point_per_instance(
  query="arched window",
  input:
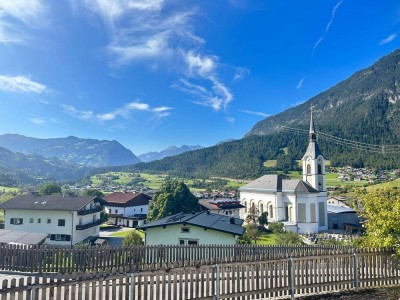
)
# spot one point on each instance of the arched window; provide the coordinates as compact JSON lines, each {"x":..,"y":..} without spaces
{"x":270,"y":211}
{"x":308,"y":169}
{"x":245,"y":207}
{"x":319,"y":169}
{"x":261,"y":208}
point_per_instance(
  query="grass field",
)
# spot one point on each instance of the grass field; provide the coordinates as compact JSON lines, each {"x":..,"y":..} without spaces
{"x":271,"y":163}
{"x":268,"y":239}
{"x":124,"y":234}
{"x":390,"y":184}
{"x":8,"y":189}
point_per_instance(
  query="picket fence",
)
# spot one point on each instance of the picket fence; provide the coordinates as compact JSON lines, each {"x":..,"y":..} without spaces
{"x":47,"y":259}
{"x":273,"y":278}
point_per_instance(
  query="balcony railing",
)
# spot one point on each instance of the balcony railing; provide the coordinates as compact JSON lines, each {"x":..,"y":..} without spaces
{"x":88,"y":225}
{"x":90,"y":211}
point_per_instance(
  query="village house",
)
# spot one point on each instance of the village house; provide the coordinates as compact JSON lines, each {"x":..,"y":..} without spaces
{"x":127,"y":209}
{"x":65,"y":220}
{"x":299,"y":204}
{"x":343,"y":218}
{"x":222,"y":206}
{"x":193,"y":229}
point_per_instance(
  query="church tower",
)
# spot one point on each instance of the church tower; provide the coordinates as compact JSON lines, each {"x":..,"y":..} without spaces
{"x":314,"y":162}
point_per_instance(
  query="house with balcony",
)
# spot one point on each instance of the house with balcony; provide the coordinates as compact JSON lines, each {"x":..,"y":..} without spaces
{"x":66,"y":220}
{"x":222,"y":206}
{"x":127,"y":209}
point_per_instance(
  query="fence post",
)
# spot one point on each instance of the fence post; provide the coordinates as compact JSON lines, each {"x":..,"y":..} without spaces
{"x":33,"y":292}
{"x":217,"y":282}
{"x":355,"y":264}
{"x":291,"y":277}
{"x":132,"y":294}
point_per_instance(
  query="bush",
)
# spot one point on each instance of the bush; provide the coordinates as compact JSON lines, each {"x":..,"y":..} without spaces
{"x":133,"y":239}
{"x":276,"y":227}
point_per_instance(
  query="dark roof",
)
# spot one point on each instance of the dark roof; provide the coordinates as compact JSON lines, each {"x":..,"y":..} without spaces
{"x":124,"y":199}
{"x":220,"y":204}
{"x":20,"y":237}
{"x":275,"y":183}
{"x":203,"y":219}
{"x":53,"y":202}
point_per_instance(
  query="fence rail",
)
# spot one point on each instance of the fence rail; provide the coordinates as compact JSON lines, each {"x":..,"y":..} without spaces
{"x":284,"y":277}
{"x":48,"y":259}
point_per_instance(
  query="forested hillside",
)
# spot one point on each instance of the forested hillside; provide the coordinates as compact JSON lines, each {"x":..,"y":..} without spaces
{"x":363,"y":108}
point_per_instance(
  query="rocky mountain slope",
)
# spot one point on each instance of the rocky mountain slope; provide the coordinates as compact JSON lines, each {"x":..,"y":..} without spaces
{"x":170,"y":151}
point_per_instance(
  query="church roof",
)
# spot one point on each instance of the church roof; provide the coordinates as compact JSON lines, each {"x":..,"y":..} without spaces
{"x":312,"y":151}
{"x":275,"y":183}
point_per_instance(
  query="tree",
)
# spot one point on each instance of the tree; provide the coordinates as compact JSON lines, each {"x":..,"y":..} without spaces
{"x":263,"y":219}
{"x":276,"y":227}
{"x":289,"y":238}
{"x":133,"y":239}
{"x":50,"y":189}
{"x":93,"y":192}
{"x":252,"y":232}
{"x":252,"y":215}
{"x":380,"y":208}
{"x":173,"y":197}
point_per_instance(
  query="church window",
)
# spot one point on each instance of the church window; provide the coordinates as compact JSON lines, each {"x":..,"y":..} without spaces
{"x":319,"y":169}
{"x":308,"y":169}
{"x":270,"y":211}
{"x":261,"y":208}
{"x":245,"y":207}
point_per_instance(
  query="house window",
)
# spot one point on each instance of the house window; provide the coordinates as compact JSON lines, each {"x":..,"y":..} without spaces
{"x":61,"y":222}
{"x":48,"y":221}
{"x":39,"y":220}
{"x":116,"y":211}
{"x":181,"y":242}
{"x":60,"y":237}
{"x":192,"y":242}
{"x":16,"y":221}
{"x":141,"y":209}
{"x":185,"y":229}
{"x":30,"y":220}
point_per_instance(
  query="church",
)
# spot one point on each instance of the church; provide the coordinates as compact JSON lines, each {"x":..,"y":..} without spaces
{"x":301,"y":205}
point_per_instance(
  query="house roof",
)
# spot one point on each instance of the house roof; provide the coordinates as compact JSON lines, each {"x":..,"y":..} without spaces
{"x":125,"y":199}
{"x":52,"y":202}
{"x":275,"y":183}
{"x":20,"y":237}
{"x":337,"y":209}
{"x":220,"y":204}
{"x":204,"y":219}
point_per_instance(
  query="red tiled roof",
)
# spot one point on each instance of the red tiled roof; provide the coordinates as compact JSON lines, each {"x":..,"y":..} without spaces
{"x":127,"y":199}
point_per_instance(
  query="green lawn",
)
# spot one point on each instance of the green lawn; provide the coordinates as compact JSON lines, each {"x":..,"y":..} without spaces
{"x":124,"y":234}
{"x":270,"y":163}
{"x":268,"y":239}
{"x":390,"y":184}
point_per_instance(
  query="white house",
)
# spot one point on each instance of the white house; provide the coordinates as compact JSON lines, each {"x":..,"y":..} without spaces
{"x":65,"y":220}
{"x":193,"y":229}
{"x":127,"y":209}
{"x":222,"y":206}
{"x":299,"y":204}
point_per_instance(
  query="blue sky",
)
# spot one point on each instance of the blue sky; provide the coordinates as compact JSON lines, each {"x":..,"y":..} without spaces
{"x":155,"y":73}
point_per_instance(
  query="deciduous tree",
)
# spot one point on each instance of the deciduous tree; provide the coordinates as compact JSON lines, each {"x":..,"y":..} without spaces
{"x":50,"y":189}
{"x":173,"y":197}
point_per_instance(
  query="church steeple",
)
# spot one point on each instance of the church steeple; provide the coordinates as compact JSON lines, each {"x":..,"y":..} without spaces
{"x":313,"y":161}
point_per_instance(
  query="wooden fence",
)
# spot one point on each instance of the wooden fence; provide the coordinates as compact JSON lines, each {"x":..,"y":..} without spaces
{"x":47,"y":259}
{"x":285,"y":277}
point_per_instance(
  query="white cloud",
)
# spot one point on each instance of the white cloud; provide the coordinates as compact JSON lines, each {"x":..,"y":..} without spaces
{"x":230,"y":120}
{"x":327,"y":27}
{"x":256,"y":113}
{"x":124,"y":112}
{"x":38,"y":121}
{"x":388,"y":39}
{"x":20,"y":84}
{"x":241,"y":73}
{"x":300,"y":84}
{"x":17,"y":16}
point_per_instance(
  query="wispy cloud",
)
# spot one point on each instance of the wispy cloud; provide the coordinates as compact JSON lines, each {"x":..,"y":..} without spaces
{"x":230,"y":120}
{"x":256,"y":113}
{"x":124,"y":112}
{"x":17,"y":16}
{"x":388,"y":39}
{"x":148,"y":32}
{"x":327,"y":27}
{"x":300,"y":84}
{"x":241,"y":73}
{"x":20,"y":84}
{"x":38,"y":121}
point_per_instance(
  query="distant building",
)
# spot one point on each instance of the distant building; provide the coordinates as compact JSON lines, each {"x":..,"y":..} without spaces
{"x":343,"y":218}
{"x":127,"y":209}
{"x":193,"y":229}
{"x":64,"y":220}
{"x":222,"y":206}
{"x":299,"y":204}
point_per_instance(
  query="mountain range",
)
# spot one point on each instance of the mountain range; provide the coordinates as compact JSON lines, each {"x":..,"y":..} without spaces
{"x":361,"y":109}
{"x":170,"y":151}
{"x":85,"y":152}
